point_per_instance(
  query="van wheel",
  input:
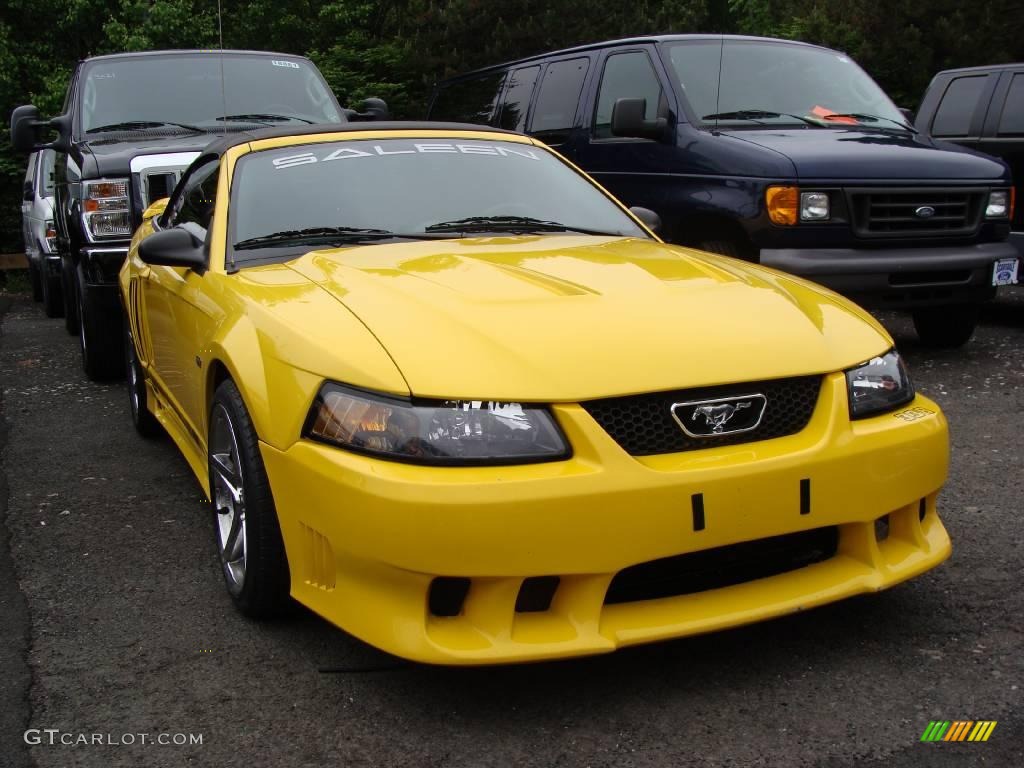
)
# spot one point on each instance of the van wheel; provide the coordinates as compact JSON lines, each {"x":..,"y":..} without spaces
{"x":53,"y":297}
{"x":102,"y":357}
{"x":946,"y":327}
{"x":144,"y":421}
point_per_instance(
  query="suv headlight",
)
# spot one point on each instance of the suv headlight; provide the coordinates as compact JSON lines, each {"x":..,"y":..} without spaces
{"x":105,"y":208}
{"x":881,"y":384}
{"x":434,"y":431}
{"x":1000,"y":204}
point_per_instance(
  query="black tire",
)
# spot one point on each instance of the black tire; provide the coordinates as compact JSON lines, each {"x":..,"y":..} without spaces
{"x":260,"y":587}
{"x":946,"y":327}
{"x":36,"y":280}
{"x":98,"y":332}
{"x":53,"y":297}
{"x":69,"y":287}
{"x":144,"y":421}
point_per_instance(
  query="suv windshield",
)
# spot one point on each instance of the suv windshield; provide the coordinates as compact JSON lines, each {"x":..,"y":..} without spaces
{"x":183,"y":92}
{"x":351,"y":192}
{"x":777,"y":83}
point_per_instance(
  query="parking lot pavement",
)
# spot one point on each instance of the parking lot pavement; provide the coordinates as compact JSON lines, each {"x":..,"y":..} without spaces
{"x":131,"y":631}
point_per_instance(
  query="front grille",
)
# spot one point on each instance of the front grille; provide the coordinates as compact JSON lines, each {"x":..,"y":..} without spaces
{"x":880,"y":213}
{"x":643,"y":424}
{"x":722,"y":566}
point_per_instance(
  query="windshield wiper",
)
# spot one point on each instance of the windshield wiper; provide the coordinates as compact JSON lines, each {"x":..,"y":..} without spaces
{"x":314,"y":235}
{"x":513,"y":224}
{"x":263,"y":117}
{"x":141,"y":125}
{"x":756,"y":116}
{"x":865,"y":117}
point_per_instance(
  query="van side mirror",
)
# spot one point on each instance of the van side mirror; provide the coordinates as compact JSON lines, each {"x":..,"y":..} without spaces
{"x":628,"y":120}
{"x":175,"y":247}
{"x":28,"y":130}
{"x":373,"y":109}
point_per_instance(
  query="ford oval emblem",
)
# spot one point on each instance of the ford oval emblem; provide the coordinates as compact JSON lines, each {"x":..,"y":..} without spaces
{"x":924,"y":212}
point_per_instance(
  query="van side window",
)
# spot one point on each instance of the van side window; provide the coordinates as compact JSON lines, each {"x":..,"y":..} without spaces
{"x":198,"y":197}
{"x":517,"y":98}
{"x":469,"y":101}
{"x":626,"y":76}
{"x":959,"y":103}
{"x":1011,"y":122}
{"x":554,"y":115}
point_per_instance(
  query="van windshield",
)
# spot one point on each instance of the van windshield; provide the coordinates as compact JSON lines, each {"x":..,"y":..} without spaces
{"x":183,"y":92}
{"x":776,"y":83}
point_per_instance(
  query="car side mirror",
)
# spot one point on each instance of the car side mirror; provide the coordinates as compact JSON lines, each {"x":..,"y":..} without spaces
{"x":373,"y":109}
{"x":650,"y":219}
{"x":175,"y":247}
{"x":155,"y":208}
{"x":628,"y":120}
{"x":29,"y":192}
{"x":27,"y":130}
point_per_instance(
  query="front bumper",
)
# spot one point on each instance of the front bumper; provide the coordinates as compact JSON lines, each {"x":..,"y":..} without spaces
{"x":365,"y":538}
{"x":898,"y":277}
{"x":101,"y":264}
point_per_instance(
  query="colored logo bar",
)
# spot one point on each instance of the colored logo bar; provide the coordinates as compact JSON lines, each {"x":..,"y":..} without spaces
{"x":958,"y":730}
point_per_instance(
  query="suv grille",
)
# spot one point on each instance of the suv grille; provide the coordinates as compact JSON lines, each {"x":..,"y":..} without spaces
{"x":722,"y":566}
{"x":643,"y":424}
{"x":895,"y":213}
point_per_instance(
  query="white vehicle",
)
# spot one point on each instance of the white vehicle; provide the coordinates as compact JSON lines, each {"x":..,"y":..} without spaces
{"x":39,"y":233}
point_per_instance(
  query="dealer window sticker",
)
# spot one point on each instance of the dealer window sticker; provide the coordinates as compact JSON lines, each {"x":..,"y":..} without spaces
{"x":288,"y":64}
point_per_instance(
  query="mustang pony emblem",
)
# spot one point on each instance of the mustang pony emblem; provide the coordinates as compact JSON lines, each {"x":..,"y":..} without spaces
{"x":721,"y":416}
{"x":717,"y":416}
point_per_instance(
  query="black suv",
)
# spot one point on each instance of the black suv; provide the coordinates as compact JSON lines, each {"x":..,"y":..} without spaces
{"x":769,"y":150}
{"x":131,"y":124}
{"x":981,"y":108}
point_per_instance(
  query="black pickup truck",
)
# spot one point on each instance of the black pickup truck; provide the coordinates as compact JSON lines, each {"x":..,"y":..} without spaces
{"x":131,"y":124}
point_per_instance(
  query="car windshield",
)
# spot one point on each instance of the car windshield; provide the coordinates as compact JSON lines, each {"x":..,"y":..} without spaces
{"x":770,"y":83}
{"x":352,"y":192}
{"x":183,"y":92}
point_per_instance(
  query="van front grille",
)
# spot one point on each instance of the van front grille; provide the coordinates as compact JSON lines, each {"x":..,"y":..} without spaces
{"x":918,"y":212}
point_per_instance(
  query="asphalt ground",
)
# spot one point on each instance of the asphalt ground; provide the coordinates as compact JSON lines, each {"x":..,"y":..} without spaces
{"x":115,"y":620}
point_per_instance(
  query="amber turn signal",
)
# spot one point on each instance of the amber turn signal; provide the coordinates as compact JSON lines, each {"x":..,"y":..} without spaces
{"x":783,"y":204}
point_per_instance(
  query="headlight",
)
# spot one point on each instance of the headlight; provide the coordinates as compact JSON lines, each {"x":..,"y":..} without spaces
{"x":434,"y":432}
{"x":814,"y":206}
{"x":881,"y":384}
{"x":105,"y":208}
{"x":1000,"y":204}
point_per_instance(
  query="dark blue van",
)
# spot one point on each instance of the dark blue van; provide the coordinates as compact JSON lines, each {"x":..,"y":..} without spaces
{"x":773,"y":151}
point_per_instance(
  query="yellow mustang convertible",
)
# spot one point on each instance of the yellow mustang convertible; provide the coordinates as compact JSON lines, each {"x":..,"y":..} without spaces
{"x":446,"y":392}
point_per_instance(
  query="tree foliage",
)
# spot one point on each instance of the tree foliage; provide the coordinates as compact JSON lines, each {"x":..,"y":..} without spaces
{"x":397,"y":49}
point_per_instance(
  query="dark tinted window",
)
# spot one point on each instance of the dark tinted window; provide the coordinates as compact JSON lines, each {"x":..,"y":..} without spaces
{"x":959,"y":102}
{"x":555,"y":113}
{"x":198,"y":197}
{"x":468,"y":101}
{"x":30,"y":171}
{"x":187,"y":89}
{"x":626,"y":76}
{"x":1012,"y":119}
{"x":46,"y":158}
{"x":517,"y":98}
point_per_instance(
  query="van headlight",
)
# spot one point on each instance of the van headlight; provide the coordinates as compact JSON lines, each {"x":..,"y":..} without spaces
{"x":105,"y":208}
{"x":1000,"y":204}
{"x":879,"y":385}
{"x":449,"y":432}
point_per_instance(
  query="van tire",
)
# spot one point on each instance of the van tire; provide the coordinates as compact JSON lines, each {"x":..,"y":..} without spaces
{"x":946,"y":327}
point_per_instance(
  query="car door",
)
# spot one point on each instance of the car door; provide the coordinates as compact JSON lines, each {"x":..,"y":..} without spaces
{"x":636,"y":170}
{"x":179,"y":316}
{"x":1003,"y":135}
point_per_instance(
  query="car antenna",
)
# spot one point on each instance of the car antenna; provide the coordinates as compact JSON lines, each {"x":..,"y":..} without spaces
{"x":223,"y":92}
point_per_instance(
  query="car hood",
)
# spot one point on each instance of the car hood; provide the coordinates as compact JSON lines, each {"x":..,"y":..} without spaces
{"x":836,"y":153}
{"x":570,"y":318}
{"x":111,"y":154}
